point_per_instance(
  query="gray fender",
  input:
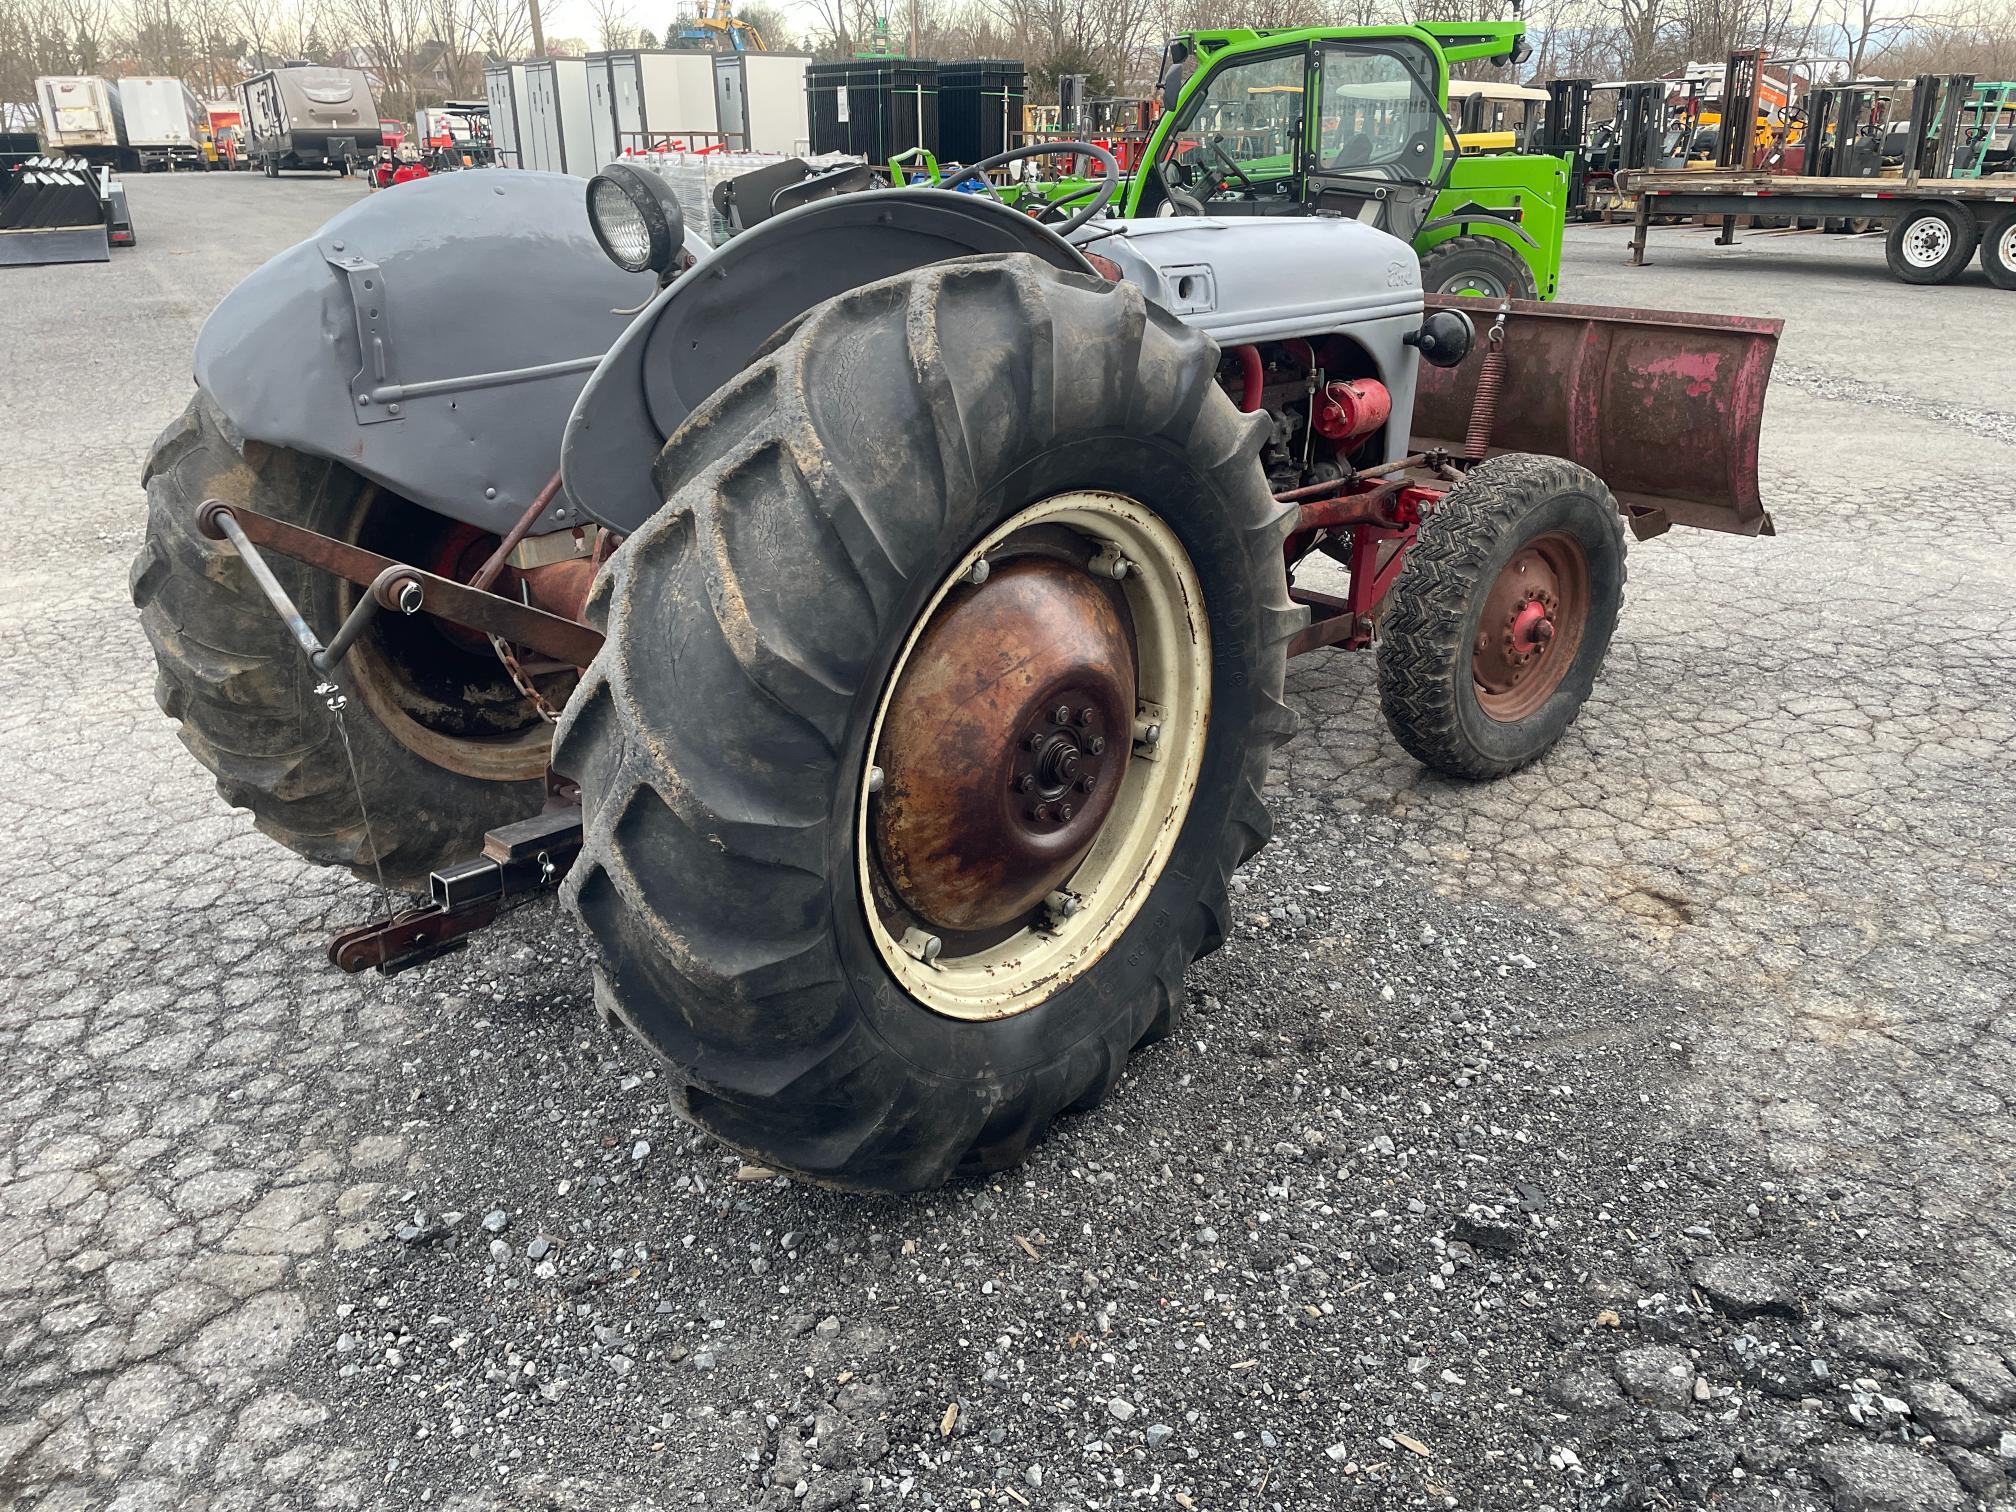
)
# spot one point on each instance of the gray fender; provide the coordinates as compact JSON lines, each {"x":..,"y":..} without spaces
{"x":709,"y":324}
{"x":432,"y":337}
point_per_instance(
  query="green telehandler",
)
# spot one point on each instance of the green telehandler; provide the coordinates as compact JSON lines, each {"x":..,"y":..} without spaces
{"x":1349,"y":121}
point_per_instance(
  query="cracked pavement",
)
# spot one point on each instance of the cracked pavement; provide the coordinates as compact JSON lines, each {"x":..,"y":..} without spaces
{"x":1635,"y":1131}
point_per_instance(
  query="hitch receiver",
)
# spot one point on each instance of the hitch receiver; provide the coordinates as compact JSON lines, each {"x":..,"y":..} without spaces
{"x":518,"y":860}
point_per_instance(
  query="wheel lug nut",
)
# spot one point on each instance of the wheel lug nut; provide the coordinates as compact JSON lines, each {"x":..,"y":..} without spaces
{"x":1040,"y":813}
{"x":1035,"y":740}
{"x":1087,"y":783}
{"x":1096,"y":745}
{"x":1062,"y":715}
{"x":1025,"y":783}
{"x":1064,"y":812}
{"x":1087,"y":715}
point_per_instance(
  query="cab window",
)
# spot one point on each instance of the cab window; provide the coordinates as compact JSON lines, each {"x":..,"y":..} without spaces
{"x":1376,"y":115}
{"x":1241,"y":127}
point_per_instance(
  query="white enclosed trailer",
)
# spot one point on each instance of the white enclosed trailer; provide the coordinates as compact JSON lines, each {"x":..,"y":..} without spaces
{"x":759,"y":101}
{"x":164,"y":122}
{"x":79,"y":117}
{"x":554,"y":134}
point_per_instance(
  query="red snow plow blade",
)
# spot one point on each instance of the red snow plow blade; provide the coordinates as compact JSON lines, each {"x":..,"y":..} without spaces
{"x":1665,"y":408}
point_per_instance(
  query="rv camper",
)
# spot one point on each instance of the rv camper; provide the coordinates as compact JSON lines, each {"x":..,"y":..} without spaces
{"x":304,"y":117}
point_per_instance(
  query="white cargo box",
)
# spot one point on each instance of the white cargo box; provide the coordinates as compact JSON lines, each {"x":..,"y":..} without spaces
{"x":162,"y":114}
{"x":78,"y":111}
{"x":656,"y":98}
{"x":504,"y":87}
{"x":555,"y":136}
{"x":759,"y":100}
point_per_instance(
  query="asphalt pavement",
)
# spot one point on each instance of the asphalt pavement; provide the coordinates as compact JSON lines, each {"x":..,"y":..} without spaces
{"x":1636,"y":1131}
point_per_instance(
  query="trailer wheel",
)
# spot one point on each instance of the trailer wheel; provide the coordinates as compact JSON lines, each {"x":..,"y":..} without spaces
{"x":444,"y":746}
{"x":1482,"y":267}
{"x":1930,"y":244}
{"x":932,"y":720}
{"x":1499,"y":621}
{"x":1998,"y":251}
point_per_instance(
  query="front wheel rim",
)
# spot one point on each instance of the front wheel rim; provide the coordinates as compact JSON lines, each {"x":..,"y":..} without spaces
{"x":2005,"y":247}
{"x":1005,"y":967}
{"x":1530,"y":628}
{"x":1473,"y":286}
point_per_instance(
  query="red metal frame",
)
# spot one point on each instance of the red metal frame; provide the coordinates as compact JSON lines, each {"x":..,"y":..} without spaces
{"x":1355,"y":526}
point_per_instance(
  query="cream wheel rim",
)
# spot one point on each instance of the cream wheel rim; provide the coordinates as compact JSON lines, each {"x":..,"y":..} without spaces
{"x":1107,"y":888}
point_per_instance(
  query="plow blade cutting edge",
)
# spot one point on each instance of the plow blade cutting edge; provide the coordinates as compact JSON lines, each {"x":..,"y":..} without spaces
{"x":1665,"y":408}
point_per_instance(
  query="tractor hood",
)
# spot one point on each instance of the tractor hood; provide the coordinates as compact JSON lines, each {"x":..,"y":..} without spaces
{"x":1252,"y":278}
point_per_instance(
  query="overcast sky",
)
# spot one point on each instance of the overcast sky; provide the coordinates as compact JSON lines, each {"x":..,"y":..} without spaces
{"x":573,"y":18}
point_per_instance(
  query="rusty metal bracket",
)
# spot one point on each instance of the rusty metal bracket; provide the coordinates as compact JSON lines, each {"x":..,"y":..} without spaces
{"x":366,"y":282}
{"x":518,"y":860}
{"x":391,"y":585}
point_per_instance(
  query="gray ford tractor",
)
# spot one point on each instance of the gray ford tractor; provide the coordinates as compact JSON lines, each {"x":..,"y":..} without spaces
{"x":876,"y":625}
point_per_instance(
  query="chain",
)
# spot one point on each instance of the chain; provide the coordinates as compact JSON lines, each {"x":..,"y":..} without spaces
{"x":336,"y":701}
{"x":523,"y":679}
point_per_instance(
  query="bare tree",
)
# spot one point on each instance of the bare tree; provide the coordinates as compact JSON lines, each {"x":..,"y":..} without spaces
{"x":1867,"y":27}
{"x":613,"y":26}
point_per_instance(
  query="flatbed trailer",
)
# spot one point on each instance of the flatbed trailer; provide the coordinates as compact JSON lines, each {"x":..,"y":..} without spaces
{"x":1935,"y":223}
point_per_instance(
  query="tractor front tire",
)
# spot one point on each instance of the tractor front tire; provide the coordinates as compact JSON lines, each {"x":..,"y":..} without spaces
{"x":253,"y":711}
{"x":1481,"y":267}
{"x":1499,"y":621}
{"x":856,"y":610}
{"x":1931,"y":244}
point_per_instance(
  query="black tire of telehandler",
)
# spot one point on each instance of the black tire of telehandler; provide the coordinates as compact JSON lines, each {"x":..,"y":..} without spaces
{"x":1468,"y":257}
{"x":1426,"y":690}
{"x":1998,"y":251}
{"x":243,"y":693}
{"x":1961,"y":236}
{"x":815,"y":504}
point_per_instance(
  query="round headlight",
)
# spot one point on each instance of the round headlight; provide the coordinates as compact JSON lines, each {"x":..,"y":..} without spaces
{"x":636,"y":218}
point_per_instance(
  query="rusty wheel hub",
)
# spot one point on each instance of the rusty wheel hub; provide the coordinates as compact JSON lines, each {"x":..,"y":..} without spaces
{"x":1035,"y":753}
{"x":999,"y":751}
{"x":1531,"y":626}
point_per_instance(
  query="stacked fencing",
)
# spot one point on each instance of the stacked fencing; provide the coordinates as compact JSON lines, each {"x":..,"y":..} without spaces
{"x":872,"y":108}
{"x":979,"y":108}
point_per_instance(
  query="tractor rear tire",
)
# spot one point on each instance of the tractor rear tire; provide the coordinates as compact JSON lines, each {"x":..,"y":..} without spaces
{"x":1479,"y":699}
{"x":1481,"y":266}
{"x":248,"y":702}
{"x":1998,"y":251}
{"x":1931,"y":244}
{"x":824,"y":509}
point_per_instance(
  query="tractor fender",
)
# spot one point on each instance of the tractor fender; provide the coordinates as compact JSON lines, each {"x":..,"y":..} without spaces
{"x":430,"y":339}
{"x":709,"y":324}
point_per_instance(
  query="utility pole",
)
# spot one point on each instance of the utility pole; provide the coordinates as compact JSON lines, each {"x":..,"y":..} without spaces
{"x":913,"y":33}
{"x":538,"y":31}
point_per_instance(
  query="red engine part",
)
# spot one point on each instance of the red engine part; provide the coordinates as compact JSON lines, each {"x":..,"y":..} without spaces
{"x":1253,"y":374}
{"x":407,"y":172}
{"x":1352,"y":407}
